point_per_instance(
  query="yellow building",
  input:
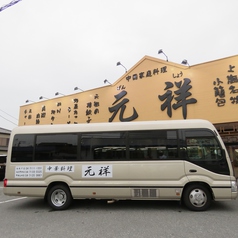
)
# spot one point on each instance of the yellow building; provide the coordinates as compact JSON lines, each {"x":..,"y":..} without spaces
{"x":153,"y":89}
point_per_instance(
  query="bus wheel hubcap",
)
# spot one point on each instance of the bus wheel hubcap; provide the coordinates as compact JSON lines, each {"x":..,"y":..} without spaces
{"x":58,"y":197}
{"x":198,"y":198}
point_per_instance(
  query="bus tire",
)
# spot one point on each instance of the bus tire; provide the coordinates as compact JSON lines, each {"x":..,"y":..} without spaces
{"x":59,"y":197}
{"x":197,"y":197}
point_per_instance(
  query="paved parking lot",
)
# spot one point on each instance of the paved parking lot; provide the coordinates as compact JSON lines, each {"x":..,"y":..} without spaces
{"x":32,"y":217}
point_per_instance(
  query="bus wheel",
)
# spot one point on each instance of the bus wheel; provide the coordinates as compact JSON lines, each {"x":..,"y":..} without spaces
{"x":197,"y":197}
{"x":59,"y":197}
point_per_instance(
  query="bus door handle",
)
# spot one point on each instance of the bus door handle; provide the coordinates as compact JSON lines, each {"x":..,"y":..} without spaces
{"x":192,"y":170}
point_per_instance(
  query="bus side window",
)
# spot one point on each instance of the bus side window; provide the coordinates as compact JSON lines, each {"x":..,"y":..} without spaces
{"x":56,"y":147}
{"x":22,"y":148}
{"x":103,"y":146}
{"x":162,"y":155}
{"x":85,"y":150}
{"x":204,"y":150}
{"x":153,"y":145}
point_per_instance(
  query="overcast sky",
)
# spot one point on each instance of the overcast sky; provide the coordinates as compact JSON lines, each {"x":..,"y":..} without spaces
{"x":54,"y":45}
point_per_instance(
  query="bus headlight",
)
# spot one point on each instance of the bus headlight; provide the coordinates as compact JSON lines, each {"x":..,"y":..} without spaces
{"x":233,"y":186}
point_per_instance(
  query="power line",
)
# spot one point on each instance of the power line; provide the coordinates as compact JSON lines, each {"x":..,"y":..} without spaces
{"x":8,"y":120}
{"x":9,"y":115}
{"x":9,"y":5}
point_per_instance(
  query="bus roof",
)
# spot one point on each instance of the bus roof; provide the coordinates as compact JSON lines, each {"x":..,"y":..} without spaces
{"x":114,"y":126}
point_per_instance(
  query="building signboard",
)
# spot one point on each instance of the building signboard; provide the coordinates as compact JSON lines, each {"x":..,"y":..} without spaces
{"x":153,"y":89}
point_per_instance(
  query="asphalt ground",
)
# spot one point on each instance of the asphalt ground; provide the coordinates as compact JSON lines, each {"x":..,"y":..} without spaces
{"x":32,"y":217}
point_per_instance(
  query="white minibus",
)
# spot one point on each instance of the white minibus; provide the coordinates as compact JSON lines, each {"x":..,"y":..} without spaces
{"x":183,"y":160}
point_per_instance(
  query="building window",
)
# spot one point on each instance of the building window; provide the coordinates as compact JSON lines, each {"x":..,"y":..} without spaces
{"x":4,"y":141}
